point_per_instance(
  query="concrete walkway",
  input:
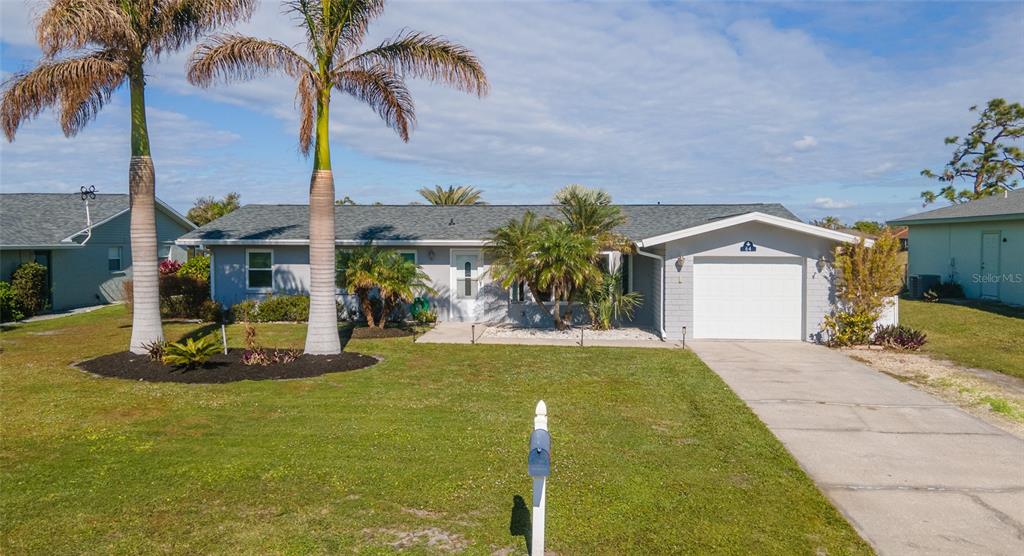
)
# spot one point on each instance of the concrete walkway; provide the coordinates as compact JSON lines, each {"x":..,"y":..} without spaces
{"x":468,"y":333}
{"x":913,"y":474}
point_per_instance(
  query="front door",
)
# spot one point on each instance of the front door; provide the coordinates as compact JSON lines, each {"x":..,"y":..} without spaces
{"x":465,"y":284}
{"x":990,"y":264}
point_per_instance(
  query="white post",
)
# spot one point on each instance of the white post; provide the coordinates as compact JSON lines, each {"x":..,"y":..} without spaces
{"x":224,"y":338}
{"x":540,"y":422}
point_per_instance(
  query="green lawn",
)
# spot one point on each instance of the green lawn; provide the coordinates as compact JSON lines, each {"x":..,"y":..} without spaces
{"x":652,"y":454}
{"x":987,"y":339}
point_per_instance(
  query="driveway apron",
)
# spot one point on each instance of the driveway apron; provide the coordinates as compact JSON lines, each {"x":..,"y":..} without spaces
{"x":913,"y":474}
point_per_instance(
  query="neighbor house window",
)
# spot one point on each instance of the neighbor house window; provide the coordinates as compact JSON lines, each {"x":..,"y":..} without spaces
{"x":163,"y":251}
{"x":341,"y":257}
{"x":408,"y":256}
{"x":259,"y":269}
{"x":114,"y":259}
{"x":517,"y":293}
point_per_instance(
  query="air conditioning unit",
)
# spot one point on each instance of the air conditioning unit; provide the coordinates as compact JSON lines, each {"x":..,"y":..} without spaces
{"x":920,"y":283}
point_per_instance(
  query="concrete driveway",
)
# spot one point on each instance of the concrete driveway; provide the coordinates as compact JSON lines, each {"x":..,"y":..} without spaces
{"x":913,"y":474}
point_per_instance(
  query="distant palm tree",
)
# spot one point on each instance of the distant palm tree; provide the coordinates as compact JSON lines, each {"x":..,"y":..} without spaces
{"x":461,"y":195}
{"x":829,"y":222}
{"x":335,"y":30}
{"x":108,"y":44}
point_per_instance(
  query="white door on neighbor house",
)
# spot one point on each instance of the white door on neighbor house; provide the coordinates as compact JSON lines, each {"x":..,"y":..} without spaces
{"x":465,"y":284}
{"x":990,"y":264}
{"x":747,"y":298}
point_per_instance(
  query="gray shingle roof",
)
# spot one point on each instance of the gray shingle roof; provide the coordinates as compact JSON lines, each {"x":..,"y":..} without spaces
{"x":38,"y":219}
{"x":1011,"y":205}
{"x":465,"y":223}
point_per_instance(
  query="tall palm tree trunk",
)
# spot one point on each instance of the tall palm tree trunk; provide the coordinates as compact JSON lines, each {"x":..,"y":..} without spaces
{"x":146,"y":325}
{"x":322,"y":330}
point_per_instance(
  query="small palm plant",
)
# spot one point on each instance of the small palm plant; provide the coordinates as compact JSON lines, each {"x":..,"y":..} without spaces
{"x":365,"y":264}
{"x":461,"y":195}
{"x":335,"y":30}
{"x":190,"y":353}
{"x":607,"y":304}
{"x":394,"y":279}
{"x":91,"y":48}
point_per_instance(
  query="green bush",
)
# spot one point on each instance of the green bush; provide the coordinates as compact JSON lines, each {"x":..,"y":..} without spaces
{"x":849,"y":328}
{"x":275,"y":308}
{"x":197,"y":268}
{"x":945,"y":290}
{"x":183,"y":296}
{"x":29,"y":287}
{"x":190,"y":353}
{"x":244,"y":311}
{"x":9,"y":309}
{"x":210,"y":311}
{"x":428,"y":316}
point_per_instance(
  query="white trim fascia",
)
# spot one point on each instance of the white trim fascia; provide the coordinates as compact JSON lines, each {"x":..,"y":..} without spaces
{"x":353,"y":242}
{"x":661,"y":269}
{"x":175,"y":214}
{"x":71,"y":245}
{"x":71,"y":238}
{"x":761,"y":217}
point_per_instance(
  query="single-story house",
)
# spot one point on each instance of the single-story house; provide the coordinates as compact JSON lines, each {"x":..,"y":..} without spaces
{"x":979,"y":244}
{"x":707,"y":271}
{"x":84,"y":269}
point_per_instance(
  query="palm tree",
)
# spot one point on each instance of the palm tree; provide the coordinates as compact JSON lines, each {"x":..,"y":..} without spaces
{"x":590,"y":212}
{"x":106,"y":44}
{"x":400,"y":281}
{"x":565,"y":260}
{"x":363,"y":267}
{"x":335,"y":30}
{"x":606,"y":302}
{"x":511,"y":250}
{"x":829,"y":222}
{"x":461,"y":195}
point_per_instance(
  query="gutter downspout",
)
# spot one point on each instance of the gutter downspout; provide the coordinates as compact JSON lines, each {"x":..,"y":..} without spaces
{"x":661,"y":269}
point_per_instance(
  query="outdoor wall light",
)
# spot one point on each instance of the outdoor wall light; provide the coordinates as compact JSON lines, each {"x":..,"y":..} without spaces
{"x":430,"y":254}
{"x":680,"y":261}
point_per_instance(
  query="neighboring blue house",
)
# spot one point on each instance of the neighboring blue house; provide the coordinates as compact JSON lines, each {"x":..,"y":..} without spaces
{"x":979,"y":245}
{"x":708,"y":271}
{"x":50,"y":228}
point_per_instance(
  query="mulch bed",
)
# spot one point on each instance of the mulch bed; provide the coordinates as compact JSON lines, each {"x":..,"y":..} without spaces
{"x":367,"y":333}
{"x":222,"y":368}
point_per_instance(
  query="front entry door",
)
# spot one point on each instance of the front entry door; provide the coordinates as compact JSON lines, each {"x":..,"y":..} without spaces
{"x":465,"y":284}
{"x":990,"y":265}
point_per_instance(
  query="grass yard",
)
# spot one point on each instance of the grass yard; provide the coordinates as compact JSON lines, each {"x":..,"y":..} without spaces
{"x":970,"y":336}
{"x":424,"y":452}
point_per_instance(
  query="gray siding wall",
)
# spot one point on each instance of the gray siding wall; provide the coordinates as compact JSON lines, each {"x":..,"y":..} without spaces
{"x":770,"y":241}
{"x":81,"y":277}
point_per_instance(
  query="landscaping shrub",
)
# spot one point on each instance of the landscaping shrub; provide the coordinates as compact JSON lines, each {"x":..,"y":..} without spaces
{"x":428,"y":316}
{"x":197,"y":267}
{"x":945,"y":290}
{"x":899,"y":337}
{"x":244,"y":311}
{"x":210,"y":311}
{"x":848,"y":328}
{"x":168,"y":266}
{"x":29,"y":288}
{"x":155,"y":350}
{"x":190,"y":353}
{"x":9,"y":309}
{"x":183,"y":296}
{"x":283,"y":308}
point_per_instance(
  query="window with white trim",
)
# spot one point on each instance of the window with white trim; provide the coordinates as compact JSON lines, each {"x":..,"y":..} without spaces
{"x":409,"y":256}
{"x":517,"y":293}
{"x":114,"y":257}
{"x":259,"y":269}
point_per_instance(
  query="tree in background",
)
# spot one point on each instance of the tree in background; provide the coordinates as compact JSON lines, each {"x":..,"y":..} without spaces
{"x":461,"y":195}
{"x":987,"y":157}
{"x":345,"y":201}
{"x":829,"y":222}
{"x":91,"y":48}
{"x":208,"y":209}
{"x":335,"y":31}
{"x":868,"y":227}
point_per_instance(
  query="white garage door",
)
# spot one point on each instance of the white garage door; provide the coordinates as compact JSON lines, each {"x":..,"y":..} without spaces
{"x":748,"y":299}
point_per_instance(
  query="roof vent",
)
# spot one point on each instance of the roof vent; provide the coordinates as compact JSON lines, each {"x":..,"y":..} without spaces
{"x":451,"y":222}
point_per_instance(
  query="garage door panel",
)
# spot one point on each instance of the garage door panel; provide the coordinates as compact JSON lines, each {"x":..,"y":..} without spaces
{"x":748,"y":299}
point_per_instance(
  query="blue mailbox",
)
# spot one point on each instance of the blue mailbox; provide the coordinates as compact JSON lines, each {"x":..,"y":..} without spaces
{"x":539,"y":460}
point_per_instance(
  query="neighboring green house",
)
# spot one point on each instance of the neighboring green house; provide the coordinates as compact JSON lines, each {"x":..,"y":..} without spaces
{"x":979,"y":245}
{"x":50,"y":228}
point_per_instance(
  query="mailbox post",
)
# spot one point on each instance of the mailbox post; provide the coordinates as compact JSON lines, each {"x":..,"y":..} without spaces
{"x":539,"y":466}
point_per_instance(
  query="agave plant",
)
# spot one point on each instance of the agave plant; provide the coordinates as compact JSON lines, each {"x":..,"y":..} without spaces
{"x":335,"y":30}
{"x":190,"y":353}
{"x":91,"y":49}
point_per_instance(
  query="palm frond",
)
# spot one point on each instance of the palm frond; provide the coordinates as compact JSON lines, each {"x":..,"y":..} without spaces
{"x":311,"y":14}
{"x":354,"y":17}
{"x":236,"y":57}
{"x":80,"y":85}
{"x":181,"y":22}
{"x":305,"y":99}
{"x":385,"y":92}
{"x":461,"y":195}
{"x":428,"y":57}
{"x":75,"y":24}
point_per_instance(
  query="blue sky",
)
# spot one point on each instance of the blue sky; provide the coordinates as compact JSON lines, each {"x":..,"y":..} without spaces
{"x":829,"y":108}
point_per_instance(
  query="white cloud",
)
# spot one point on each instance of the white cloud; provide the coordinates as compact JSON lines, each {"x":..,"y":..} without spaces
{"x":880,"y":170}
{"x":805,"y":143}
{"x":830,"y":203}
